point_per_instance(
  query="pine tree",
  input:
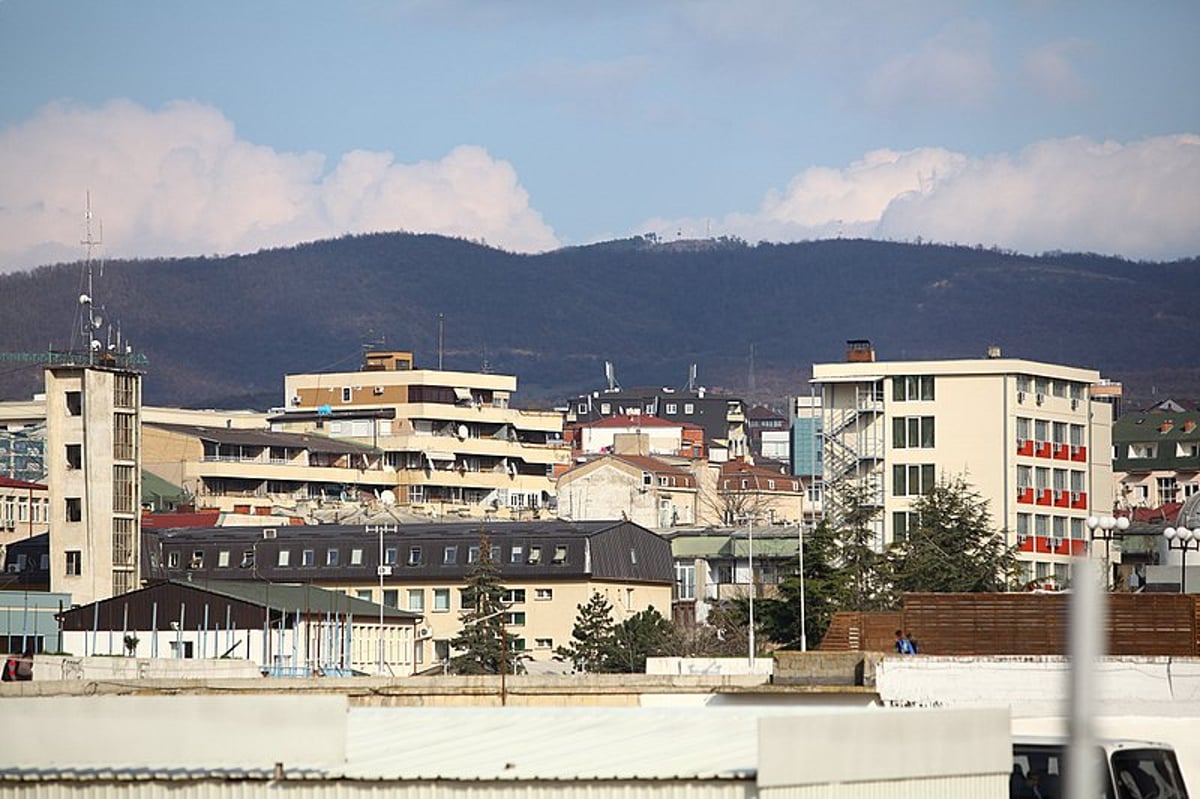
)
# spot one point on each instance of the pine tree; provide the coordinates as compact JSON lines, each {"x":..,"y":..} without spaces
{"x":478,"y":643}
{"x":860,"y":557}
{"x":642,"y":635}
{"x":952,"y":547}
{"x":825,"y":589}
{"x":592,"y":636}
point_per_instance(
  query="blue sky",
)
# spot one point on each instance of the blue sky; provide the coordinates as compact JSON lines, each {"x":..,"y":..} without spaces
{"x":221,"y":127}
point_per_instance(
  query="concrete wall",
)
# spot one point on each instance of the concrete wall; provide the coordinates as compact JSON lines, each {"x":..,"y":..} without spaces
{"x":61,"y":667}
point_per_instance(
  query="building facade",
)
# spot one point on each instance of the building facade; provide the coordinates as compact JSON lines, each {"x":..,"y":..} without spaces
{"x":646,"y":491}
{"x":1156,"y":458}
{"x":548,"y":569}
{"x":449,"y":441}
{"x":93,"y":465}
{"x":1028,"y":436}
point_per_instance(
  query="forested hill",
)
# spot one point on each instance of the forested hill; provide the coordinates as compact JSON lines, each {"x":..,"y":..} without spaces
{"x":223,"y":331}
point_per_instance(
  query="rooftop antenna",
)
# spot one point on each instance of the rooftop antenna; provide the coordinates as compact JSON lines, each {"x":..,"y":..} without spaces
{"x":691,"y":384}
{"x":611,"y":376}
{"x":485,"y":369}
{"x":442,"y":340}
{"x":90,"y":321}
{"x":750,"y":378}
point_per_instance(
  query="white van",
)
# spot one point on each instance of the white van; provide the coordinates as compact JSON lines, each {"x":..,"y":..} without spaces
{"x":1132,"y":769}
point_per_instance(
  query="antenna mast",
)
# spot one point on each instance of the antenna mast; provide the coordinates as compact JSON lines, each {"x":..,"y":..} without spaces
{"x":90,"y":322}
{"x":441,"y":338}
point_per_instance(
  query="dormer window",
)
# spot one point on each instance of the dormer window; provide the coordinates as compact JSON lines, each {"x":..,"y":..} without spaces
{"x":560,"y":554}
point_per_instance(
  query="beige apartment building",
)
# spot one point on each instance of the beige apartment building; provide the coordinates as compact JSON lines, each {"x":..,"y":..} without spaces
{"x":1030,"y":437}
{"x":449,"y":442}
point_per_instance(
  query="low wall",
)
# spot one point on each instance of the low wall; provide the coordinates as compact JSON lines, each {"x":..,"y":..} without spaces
{"x":65,"y":667}
{"x":825,"y":668}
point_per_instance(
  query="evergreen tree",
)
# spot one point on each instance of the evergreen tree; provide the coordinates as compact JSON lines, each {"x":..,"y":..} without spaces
{"x":642,"y":635}
{"x":952,"y":547}
{"x":825,"y":589}
{"x":591,"y":644}
{"x":865,"y":567}
{"x":478,"y":643}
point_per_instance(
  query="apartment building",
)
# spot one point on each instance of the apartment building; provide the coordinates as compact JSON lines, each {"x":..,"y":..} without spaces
{"x":548,"y":569}
{"x":93,"y":469}
{"x":1156,"y":455}
{"x":1028,"y":436}
{"x":656,"y":436}
{"x":24,"y":509}
{"x":641,"y":489}
{"x":450,"y":442}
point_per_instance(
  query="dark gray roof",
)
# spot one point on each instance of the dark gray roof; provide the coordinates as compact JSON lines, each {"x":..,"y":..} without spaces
{"x":598,"y":550}
{"x":264,"y":438}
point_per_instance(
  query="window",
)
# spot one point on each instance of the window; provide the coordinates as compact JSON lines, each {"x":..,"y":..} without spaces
{"x":416,"y":599}
{"x":391,"y":597}
{"x":912,"y":480}
{"x":535,"y":555}
{"x":1024,"y":383}
{"x":516,"y":555}
{"x":560,"y":554}
{"x":122,"y":496}
{"x":123,"y":431}
{"x":1058,"y":388}
{"x":197,"y":559}
{"x":685,"y":581}
{"x":605,"y":408}
{"x":1059,"y":526}
{"x":346,"y":394}
{"x":122,"y":542}
{"x":1024,"y":477}
{"x":308,"y":558}
{"x":414,"y":556}
{"x":1167,"y":488}
{"x":664,"y":481}
{"x":912,"y":388}
{"x":689,"y":408}
{"x":1041,"y":478}
{"x":632,"y":556}
{"x":74,"y":509}
{"x":247,"y":559}
{"x":441,"y":600}
{"x":1022,"y":430}
{"x":75,"y":562}
{"x":903,"y":523}
{"x":364,"y":594}
{"x":473,"y":554}
{"x":1060,"y":433}
{"x":1041,"y":525}
{"x":331,"y":557}
{"x":356,"y":557}
{"x":1023,"y":520}
{"x":516,"y":619}
{"x":912,"y":432}
{"x":629,"y":599}
{"x":1077,"y":528}
{"x":223,"y":559}
{"x":172,"y":560}
{"x":583,"y":407}
{"x":543,"y":594}
{"x":647,"y":479}
{"x":1041,"y":429}
{"x":672,"y":408}
{"x":543,"y":643}
{"x":1076,"y":435}
{"x":285,"y":557}
{"x":514,"y":596}
{"x":74,"y":456}
{"x":74,"y":403}
{"x":389,"y":556}
{"x":450,"y":554}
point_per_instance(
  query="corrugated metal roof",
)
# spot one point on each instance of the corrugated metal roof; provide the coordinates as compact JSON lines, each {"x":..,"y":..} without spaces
{"x":552,"y":743}
{"x":138,"y":773}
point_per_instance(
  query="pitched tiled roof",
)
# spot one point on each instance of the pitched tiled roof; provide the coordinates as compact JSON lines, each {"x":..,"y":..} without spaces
{"x":9,"y":482}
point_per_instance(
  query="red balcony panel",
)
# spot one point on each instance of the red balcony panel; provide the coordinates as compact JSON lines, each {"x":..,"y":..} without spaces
{"x":1078,"y":547}
{"x":1026,"y":545}
{"x":1043,"y":449}
{"x":1062,"y":452}
{"x":1025,"y":495}
{"x":1025,"y":448}
{"x":1046,"y":497}
{"x":1062,"y":499}
{"x":1080,"y":502}
{"x":1079,"y":454}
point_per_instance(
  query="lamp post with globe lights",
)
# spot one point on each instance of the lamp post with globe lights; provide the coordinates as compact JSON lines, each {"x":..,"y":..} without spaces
{"x":1107,"y":528}
{"x":1184,"y":540}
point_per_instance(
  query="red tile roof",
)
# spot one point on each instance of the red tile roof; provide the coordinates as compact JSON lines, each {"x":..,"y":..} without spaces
{"x":9,"y":482}
{"x":623,"y":420}
{"x":160,"y":521}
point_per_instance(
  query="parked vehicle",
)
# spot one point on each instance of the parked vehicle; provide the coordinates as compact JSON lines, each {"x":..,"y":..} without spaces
{"x":1131,"y":769}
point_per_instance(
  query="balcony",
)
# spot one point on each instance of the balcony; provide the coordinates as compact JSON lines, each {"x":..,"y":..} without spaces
{"x":1025,"y":447}
{"x":1025,"y":495}
{"x":1079,"y":454}
{"x":1062,"y":452}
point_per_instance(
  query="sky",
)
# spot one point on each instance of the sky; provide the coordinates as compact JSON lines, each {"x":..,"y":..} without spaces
{"x":227,"y":127}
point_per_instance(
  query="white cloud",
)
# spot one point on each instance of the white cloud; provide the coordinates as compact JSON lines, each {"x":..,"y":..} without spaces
{"x":1139,"y":199}
{"x":178,"y":181}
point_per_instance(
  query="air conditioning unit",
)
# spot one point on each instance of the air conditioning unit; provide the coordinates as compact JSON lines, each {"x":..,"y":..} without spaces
{"x":1020,"y":396}
{"x":424,"y":632}
{"x":377,"y":391}
{"x":1021,"y":538}
{"x":13,"y":568}
{"x":270,"y":532}
{"x":1041,"y":398}
{"x":1055,"y":543}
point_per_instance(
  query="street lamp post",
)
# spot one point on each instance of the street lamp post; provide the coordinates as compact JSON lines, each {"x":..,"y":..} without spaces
{"x":1183,"y":540}
{"x":803,"y":620}
{"x":750,"y":531}
{"x":1106,"y":529}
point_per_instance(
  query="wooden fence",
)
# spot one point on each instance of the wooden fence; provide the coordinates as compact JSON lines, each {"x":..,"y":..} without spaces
{"x":1019,"y":624}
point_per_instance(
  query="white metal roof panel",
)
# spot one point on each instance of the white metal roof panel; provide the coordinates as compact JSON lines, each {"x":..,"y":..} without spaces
{"x":551,"y":743}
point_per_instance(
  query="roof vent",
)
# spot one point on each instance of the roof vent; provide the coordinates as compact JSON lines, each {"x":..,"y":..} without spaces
{"x":859,"y":350}
{"x":993,"y":351}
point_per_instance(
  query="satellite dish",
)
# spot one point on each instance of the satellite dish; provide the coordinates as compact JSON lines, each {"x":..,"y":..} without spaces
{"x":388,"y":497}
{"x":98,"y":322}
{"x":84,"y":299}
{"x":462,"y":432}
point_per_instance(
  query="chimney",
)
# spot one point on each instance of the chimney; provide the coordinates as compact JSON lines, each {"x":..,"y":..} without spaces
{"x":993,"y":351}
{"x":859,"y":350}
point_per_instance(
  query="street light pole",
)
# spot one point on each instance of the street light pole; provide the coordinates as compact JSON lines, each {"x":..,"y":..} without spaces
{"x":1183,"y":540}
{"x":1106,"y":529}
{"x":803,"y":620}
{"x":750,"y":531}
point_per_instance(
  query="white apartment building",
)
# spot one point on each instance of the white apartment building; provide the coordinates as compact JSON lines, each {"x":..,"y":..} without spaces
{"x":1028,"y":436}
{"x":449,"y":439}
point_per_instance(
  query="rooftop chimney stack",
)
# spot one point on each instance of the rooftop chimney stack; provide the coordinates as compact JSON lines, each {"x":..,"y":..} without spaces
{"x":859,"y":350}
